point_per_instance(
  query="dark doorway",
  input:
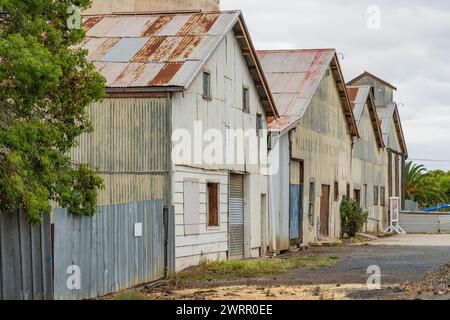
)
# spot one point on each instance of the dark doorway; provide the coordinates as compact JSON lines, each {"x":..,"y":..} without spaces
{"x":325,"y":211}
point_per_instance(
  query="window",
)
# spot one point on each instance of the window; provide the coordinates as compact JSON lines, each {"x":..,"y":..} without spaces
{"x":259,"y":124}
{"x":375,"y":195}
{"x":382,"y":196}
{"x":357,"y":196}
{"x":365,"y":196}
{"x":348,"y":191}
{"x":336,"y":191}
{"x":312,"y":196}
{"x":206,"y":85}
{"x":213,"y":204}
{"x":245,"y":99}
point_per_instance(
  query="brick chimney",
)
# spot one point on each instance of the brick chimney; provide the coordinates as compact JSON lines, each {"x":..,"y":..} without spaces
{"x":136,"y":6}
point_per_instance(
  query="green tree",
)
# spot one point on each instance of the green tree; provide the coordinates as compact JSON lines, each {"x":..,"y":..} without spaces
{"x":46,"y":84}
{"x":414,"y":174}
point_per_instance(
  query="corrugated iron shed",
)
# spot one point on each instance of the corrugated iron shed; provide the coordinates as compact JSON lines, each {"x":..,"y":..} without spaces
{"x":294,"y":76}
{"x":165,"y":51}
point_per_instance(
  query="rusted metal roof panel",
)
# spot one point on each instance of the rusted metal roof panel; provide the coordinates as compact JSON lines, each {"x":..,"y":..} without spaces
{"x":293,"y":77}
{"x":155,"y":49}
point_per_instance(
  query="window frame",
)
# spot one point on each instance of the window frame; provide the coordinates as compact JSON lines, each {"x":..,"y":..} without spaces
{"x":382,"y":196}
{"x":336,"y":190}
{"x":208,"y":205}
{"x":376,"y":196}
{"x":311,"y":202}
{"x":207,"y":95}
{"x":245,"y":99}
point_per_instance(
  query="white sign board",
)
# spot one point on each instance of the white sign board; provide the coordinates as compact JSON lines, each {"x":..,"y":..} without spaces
{"x":394,"y":205}
{"x":138,"y":229}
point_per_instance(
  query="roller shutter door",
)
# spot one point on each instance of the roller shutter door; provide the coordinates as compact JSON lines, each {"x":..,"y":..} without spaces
{"x":236,"y":199}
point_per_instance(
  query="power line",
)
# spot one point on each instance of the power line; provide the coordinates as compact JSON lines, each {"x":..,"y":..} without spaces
{"x":430,"y":160}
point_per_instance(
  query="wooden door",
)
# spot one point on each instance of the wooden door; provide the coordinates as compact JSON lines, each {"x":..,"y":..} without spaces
{"x":325,"y":211}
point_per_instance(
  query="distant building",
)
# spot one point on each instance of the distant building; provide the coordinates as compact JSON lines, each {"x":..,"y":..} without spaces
{"x":369,"y":160}
{"x":139,"y":6}
{"x":391,"y":127}
{"x":312,"y":143}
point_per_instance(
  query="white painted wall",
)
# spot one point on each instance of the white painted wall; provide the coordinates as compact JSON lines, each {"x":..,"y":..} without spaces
{"x":229,"y":73}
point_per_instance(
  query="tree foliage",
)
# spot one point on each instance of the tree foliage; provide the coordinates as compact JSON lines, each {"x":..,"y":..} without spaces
{"x":428,"y":188}
{"x":46,"y":84}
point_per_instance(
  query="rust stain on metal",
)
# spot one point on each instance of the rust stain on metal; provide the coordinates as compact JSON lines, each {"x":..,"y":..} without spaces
{"x":185,"y":48}
{"x":352,"y":93}
{"x":132,"y":71}
{"x":198,"y":24}
{"x":90,"y":22}
{"x":157,"y":25}
{"x":166,"y":74}
{"x":103,"y":49}
{"x":148,"y":50}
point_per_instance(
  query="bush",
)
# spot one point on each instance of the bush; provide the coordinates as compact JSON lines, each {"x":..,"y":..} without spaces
{"x":352,"y":217}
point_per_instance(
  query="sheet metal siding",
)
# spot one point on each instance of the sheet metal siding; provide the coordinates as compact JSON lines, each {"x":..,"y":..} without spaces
{"x":25,"y":258}
{"x":130,"y":146}
{"x":171,"y":234}
{"x":104,"y":247}
{"x":419,"y":223}
{"x":322,"y":141}
{"x":236,"y":197}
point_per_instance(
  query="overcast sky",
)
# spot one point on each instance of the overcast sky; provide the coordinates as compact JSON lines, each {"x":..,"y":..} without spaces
{"x":411,"y":50}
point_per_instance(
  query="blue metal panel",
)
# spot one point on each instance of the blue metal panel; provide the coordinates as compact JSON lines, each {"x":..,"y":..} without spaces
{"x":124,"y":50}
{"x":295,"y":211}
{"x":105,"y":249}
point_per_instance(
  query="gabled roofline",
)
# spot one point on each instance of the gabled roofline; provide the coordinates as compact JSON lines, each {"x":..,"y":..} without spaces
{"x":376,"y":124}
{"x":368,"y":74}
{"x":398,"y":127}
{"x":350,"y":117}
{"x":333,"y":63}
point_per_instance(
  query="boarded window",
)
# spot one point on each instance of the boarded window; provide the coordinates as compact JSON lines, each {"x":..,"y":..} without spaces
{"x":336,"y":191}
{"x":191,"y":200}
{"x":375,"y":195}
{"x":382,"y":196}
{"x":206,"y":85}
{"x":312,"y":196}
{"x":213,"y":204}
{"x":245,"y":99}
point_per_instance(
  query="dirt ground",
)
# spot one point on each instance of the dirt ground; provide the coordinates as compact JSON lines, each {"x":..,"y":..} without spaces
{"x":401,"y":266}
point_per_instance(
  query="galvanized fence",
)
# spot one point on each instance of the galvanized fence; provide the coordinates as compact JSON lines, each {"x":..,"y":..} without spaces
{"x":420,"y":222}
{"x":118,"y":248}
{"x":25,"y":258}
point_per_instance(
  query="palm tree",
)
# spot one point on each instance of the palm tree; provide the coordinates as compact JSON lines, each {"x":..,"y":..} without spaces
{"x":414,"y":174}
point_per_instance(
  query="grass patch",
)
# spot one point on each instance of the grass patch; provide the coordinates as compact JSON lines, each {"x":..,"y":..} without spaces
{"x":130,"y":295}
{"x":217,"y":270}
{"x":358,"y":239}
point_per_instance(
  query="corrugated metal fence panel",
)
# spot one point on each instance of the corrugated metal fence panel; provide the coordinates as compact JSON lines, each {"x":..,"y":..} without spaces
{"x":171,"y":241}
{"x":419,"y":222}
{"x":25,"y":258}
{"x":105,"y":249}
{"x":444,"y":223}
{"x":236,"y":216}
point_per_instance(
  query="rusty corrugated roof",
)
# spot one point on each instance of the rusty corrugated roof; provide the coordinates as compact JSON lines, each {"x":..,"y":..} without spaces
{"x":163,"y":50}
{"x":294,"y":76}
